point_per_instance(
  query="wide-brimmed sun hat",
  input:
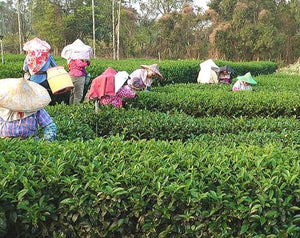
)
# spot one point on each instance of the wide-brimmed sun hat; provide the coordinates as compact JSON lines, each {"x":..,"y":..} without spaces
{"x":153,"y":68}
{"x":247,"y":78}
{"x":21,"y":95}
{"x":77,"y":50}
{"x":36,"y":44}
{"x":120,"y":78}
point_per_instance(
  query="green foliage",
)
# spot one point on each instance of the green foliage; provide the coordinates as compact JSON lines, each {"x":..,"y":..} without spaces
{"x":113,"y":188}
{"x":184,"y":160}
{"x":46,"y":18}
{"x":174,"y":71}
{"x":250,"y":30}
{"x":165,"y":29}
{"x":276,"y":95}
{"x":143,"y":124}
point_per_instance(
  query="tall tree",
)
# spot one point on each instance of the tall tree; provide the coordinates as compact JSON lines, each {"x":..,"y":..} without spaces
{"x":251,"y":30}
{"x":113,"y":29}
{"x":13,"y":23}
{"x":47,"y":23}
{"x":130,"y":44}
{"x":156,"y":8}
{"x":288,"y":22}
{"x":177,"y":34}
{"x":230,"y":29}
{"x":19,"y":26}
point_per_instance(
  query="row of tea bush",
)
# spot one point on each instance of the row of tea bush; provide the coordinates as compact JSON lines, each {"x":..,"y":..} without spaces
{"x":185,"y":160}
{"x":80,"y":121}
{"x":174,"y":71}
{"x":149,"y":188}
{"x":135,"y":172}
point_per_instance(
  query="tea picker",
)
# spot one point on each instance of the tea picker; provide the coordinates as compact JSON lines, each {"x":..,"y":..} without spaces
{"x":22,"y":110}
{"x":109,"y":88}
{"x":225,"y":74}
{"x":141,"y":79}
{"x":101,"y":86}
{"x":37,"y":61}
{"x":208,"y":72}
{"x":78,"y":57}
{"x":244,"y":83}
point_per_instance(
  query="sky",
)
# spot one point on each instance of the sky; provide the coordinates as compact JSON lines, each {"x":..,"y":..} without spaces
{"x":201,"y":3}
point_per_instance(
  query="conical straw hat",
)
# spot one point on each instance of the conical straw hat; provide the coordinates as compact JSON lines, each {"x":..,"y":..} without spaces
{"x":247,"y":78}
{"x":153,"y":68}
{"x":21,"y":95}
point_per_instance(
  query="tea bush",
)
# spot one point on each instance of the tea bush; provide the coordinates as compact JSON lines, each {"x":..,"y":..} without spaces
{"x":273,"y":97}
{"x":117,"y":188}
{"x":185,"y":160}
{"x":81,"y":122}
{"x":174,"y":71}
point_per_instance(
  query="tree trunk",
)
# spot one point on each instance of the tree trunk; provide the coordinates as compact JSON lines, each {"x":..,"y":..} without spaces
{"x":94,"y":40}
{"x":118,"y":32}
{"x":113,"y":26}
{"x":19,"y":26}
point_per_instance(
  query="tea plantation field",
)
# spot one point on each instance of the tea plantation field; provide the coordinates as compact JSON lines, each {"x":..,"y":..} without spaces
{"x":185,"y":160}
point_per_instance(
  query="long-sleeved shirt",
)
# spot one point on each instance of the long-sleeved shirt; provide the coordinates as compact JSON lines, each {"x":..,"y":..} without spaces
{"x":41,"y":76}
{"x":139,"y":80}
{"x":77,"y":67}
{"x":240,"y":86}
{"x":28,"y":126}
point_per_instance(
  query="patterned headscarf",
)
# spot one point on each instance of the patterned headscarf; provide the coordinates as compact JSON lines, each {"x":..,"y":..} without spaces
{"x":37,"y":54}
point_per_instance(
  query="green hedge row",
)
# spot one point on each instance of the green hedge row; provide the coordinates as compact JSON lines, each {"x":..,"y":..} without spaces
{"x":274,"y":96}
{"x":174,"y":71}
{"x":116,"y":188}
{"x":163,"y":166}
{"x":183,"y":71}
{"x":80,"y":121}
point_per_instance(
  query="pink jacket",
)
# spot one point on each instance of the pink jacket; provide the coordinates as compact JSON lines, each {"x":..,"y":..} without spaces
{"x":77,"y":67}
{"x":104,"y":84}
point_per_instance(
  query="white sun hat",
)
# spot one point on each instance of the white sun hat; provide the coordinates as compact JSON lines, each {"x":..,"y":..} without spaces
{"x":36,"y":44}
{"x":77,"y":50}
{"x":120,"y":78}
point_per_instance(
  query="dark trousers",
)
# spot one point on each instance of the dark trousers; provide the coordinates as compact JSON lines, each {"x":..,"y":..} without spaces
{"x":46,"y":85}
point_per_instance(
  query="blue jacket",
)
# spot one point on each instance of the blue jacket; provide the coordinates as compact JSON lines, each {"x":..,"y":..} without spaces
{"x":42,"y":75}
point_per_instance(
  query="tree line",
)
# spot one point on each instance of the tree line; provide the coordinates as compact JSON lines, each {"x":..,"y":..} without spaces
{"x":236,"y":30}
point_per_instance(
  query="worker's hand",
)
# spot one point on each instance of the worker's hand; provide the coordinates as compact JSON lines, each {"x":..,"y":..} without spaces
{"x":26,"y":75}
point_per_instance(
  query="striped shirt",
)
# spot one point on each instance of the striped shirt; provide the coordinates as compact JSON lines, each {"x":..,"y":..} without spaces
{"x":28,"y":126}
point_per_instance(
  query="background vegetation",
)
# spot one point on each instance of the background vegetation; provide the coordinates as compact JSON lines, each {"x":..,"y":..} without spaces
{"x":184,"y":160}
{"x":235,"y":30}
